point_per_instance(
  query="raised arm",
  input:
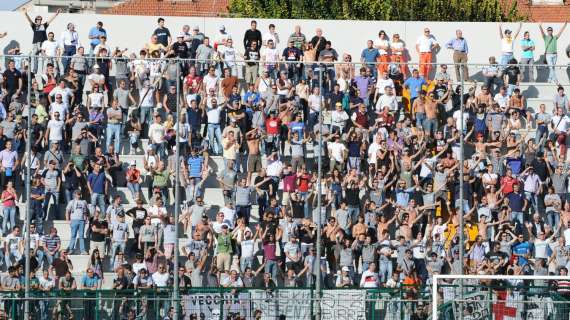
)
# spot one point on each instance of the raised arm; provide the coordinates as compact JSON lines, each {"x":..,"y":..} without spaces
{"x":561,"y":30}
{"x":53,"y":17}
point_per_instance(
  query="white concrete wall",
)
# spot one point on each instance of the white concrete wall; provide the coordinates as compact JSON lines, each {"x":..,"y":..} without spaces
{"x":347,"y":36}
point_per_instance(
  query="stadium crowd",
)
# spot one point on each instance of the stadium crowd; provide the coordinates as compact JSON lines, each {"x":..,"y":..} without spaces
{"x":390,"y":188}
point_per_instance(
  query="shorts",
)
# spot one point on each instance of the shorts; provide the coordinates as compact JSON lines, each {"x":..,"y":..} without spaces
{"x":253,"y":163}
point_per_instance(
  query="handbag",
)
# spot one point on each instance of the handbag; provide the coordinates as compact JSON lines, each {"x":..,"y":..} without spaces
{"x":553,"y":136}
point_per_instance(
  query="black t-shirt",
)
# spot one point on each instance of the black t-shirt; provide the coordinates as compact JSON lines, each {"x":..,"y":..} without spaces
{"x":162,"y":34}
{"x":71,"y":180}
{"x":321,"y":44}
{"x":440,"y":90}
{"x":11,"y":78}
{"x":96,"y":236}
{"x":60,"y":267}
{"x":181,"y":49}
{"x":513,"y":73}
{"x":252,"y":36}
{"x":264,"y":186}
{"x":251,"y":55}
{"x":40,"y":34}
{"x":292,"y":54}
{"x":298,"y":207}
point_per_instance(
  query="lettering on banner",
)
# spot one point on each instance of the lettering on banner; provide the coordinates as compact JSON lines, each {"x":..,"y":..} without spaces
{"x":344,"y":304}
{"x":293,"y":304}
{"x":209,"y":305}
{"x":475,"y":302}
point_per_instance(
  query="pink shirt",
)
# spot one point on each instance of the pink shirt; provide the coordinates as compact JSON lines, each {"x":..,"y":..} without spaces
{"x":290,"y":183}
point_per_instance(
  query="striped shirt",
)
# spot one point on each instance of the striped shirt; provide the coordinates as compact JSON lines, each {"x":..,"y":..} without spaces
{"x":50,"y":242}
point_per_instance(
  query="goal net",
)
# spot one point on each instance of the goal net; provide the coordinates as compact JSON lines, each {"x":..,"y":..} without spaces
{"x":500,"y":297}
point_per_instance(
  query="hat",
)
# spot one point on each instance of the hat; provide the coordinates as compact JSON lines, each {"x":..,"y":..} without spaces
{"x":508,"y":31}
{"x":149,"y":148}
{"x":549,"y":29}
{"x":346,"y":269}
{"x":181,"y":35}
{"x":225,"y":226}
{"x":338,"y":104}
{"x":95,"y":66}
{"x":121,"y":214}
{"x":222,"y":27}
{"x":196,"y":28}
{"x":204,"y":216}
{"x":232,"y":120}
{"x":133,"y":163}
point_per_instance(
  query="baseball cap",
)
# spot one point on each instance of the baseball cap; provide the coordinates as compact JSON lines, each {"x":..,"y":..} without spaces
{"x":196,"y":28}
{"x":181,"y":35}
{"x":133,"y":163}
{"x":222,"y":27}
{"x":95,"y":66}
{"x":346,"y":269}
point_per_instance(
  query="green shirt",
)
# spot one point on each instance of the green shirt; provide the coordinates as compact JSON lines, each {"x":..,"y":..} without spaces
{"x":551,"y":44}
{"x":160,"y":178}
{"x":224,"y":243}
{"x":78,"y":160}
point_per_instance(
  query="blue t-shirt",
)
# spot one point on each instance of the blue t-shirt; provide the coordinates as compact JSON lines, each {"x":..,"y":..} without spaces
{"x":195,"y":166}
{"x":94,"y":32}
{"x":362,"y":84}
{"x":370,"y":55}
{"x":97,"y":182}
{"x":528,"y":54}
{"x":88,"y":282}
{"x":415,"y":86}
{"x":515,"y":164}
{"x":297,"y":127}
{"x":516,"y":201}
{"x":522,"y":248}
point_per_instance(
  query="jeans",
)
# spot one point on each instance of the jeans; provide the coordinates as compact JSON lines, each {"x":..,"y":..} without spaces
{"x":271,"y":267}
{"x":117,"y":246}
{"x":214,"y":132}
{"x":245,"y":212}
{"x":245,"y":262}
{"x":532,"y":198}
{"x":160,"y":149}
{"x":68,"y":51}
{"x":517,"y":216}
{"x":98,"y":199}
{"x":146,"y":115}
{"x":430,"y":125}
{"x":553,"y":219}
{"x":77,"y":231}
{"x":114,"y":132}
{"x":528,"y":69}
{"x":551,"y":62}
{"x":541,"y":131}
{"x":9,"y":215}
{"x":420,"y":118}
{"x":12,"y":253}
{"x":386,"y":270}
{"x":134,"y":188}
{"x":505,"y":58}
{"x":51,"y":194}
{"x":353,"y":212}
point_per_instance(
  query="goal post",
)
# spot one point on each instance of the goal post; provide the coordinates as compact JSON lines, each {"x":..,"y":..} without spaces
{"x":438,"y":278}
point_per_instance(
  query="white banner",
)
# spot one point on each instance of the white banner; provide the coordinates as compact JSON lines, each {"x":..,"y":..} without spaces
{"x":209,"y":306}
{"x":293,"y":304}
{"x":344,"y":304}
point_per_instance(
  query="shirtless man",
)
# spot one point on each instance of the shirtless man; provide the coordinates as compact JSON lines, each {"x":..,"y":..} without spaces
{"x":254,"y":157}
{"x":430,"y":124}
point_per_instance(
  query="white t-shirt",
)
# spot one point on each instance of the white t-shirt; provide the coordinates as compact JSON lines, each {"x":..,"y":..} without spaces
{"x":247,"y":248}
{"x":211,"y":82}
{"x":561,"y":124}
{"x":59,"y":108}
{"x":372,"y":150}
{"x":229,"y":215}
{"x":12,"y":241}
{"x":213,"y":115}
{"x":96,"y":78}
{"x":384,"y":43}
{"x":148,"y":94}
{"x":502,"y":100}
{"x":65,"y":93}
{"x":387,"y":100}
{"x":540,"y":248}
{"x":96,"y":99}
{"x":274,"y":168}
{"x":160,"y":279}
{"x":156,"y":132}
{"x":55,"y":130}
{"x":50,"y":48}
{"x":425,"y":43}
{"x":381,"y":85}
{"x":457,"y":117}
{"x":315,"y":103}
{"x":336,"y":151}
{"x":271,"y":55}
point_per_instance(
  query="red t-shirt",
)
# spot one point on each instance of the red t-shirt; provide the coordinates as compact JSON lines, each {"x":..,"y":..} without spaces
{"x":507,"y":183}
{"x":272,"y":126}
{"x":304,"y":182}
